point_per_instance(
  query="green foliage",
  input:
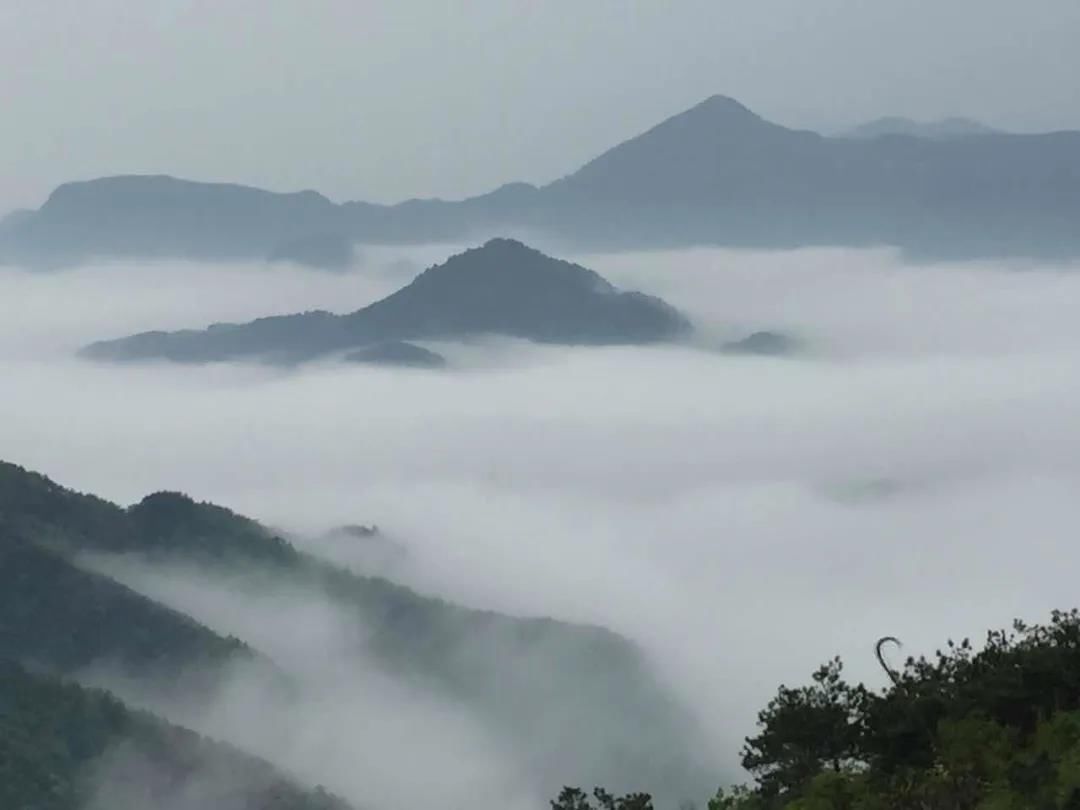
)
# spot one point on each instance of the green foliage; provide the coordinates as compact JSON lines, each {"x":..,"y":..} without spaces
{"x":34,"y":507}
{"x":576,"y":799}
{"x":968,"y":729}
{"x":65,"y":618}
{"x":996,"y":728}
{"x":806,"y":730}
{"x":61,"y":746}
{"x":738,"y":797}
{"x":170,"y":522}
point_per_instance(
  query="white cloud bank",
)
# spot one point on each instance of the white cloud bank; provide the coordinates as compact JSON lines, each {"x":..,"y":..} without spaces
{"x":914,"y":474}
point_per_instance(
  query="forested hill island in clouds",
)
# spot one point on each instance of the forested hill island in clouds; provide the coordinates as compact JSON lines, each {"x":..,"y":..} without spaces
{"x":715,"y":174}
{"x":502,"y":288}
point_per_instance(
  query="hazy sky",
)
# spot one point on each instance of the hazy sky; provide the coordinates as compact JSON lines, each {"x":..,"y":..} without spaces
{"x":386,"y":100}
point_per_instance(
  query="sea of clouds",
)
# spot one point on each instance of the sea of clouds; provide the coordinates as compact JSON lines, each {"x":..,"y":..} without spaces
{"x":913,"y":471}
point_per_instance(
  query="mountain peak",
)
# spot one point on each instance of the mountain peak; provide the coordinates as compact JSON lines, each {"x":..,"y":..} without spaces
{"x":505,"y":243}
{"x":686,"y":157}
{"x":716,"y":116}
{"x":507,"y":267}
{"x":716,"y":113}
{"x":724,"y":105}
{"x":507,"y":288}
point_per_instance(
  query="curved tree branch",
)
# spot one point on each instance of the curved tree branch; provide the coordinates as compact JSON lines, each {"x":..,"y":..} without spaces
{"x":894,"y":676}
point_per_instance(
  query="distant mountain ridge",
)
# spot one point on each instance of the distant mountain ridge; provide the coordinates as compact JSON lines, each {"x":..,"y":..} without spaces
{"x":323,"y":251}
{"x":716,"y":174}
{"x":150,"y":216}
{"x":502,"y":288}
{"x":942,"y":129}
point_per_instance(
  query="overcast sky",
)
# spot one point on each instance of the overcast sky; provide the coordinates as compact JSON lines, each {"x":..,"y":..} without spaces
{"x":387,"y":100}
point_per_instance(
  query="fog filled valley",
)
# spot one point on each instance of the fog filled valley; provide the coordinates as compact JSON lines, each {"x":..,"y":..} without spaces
{"x":701,"y":524}
{"x":659,"y":406}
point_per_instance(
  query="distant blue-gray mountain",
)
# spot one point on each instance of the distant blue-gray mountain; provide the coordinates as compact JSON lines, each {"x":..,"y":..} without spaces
{"x":323,"y":251}
{"x":715,"y":174}
{"x":501,"y":288}
{"x":942,"y":129}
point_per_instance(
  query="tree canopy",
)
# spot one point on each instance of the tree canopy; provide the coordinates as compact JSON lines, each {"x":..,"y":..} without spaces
{"x":994,"y":727}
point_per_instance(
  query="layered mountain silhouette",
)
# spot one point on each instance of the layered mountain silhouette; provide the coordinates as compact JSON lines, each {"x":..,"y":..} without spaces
{"x":502,"y":288}
{"x":567,"y":701}
{"x":149,"y":216}
{"x":715,"y":174}
{"x":323,"y":251}
{"x":942,"y":129}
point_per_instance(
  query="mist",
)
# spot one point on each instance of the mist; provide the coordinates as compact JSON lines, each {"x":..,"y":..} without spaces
{"x":911,"y":472}
{"x":342,"y":722}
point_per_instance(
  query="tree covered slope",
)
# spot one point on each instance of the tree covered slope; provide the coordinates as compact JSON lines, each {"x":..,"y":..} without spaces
{"x":565,"y":699}
{"x":64,"y":747}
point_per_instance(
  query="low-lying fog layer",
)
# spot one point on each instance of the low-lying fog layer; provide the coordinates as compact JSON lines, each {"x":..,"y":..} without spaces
{"x":913,"y":473}
{"x":344,"y":724}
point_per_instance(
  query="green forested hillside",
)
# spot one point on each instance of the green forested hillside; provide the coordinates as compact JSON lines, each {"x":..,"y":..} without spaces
{"x":570,"y":701}
{"x":34,"y":507}
{"x":63,"y":747}
{"x":59,"y":616}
